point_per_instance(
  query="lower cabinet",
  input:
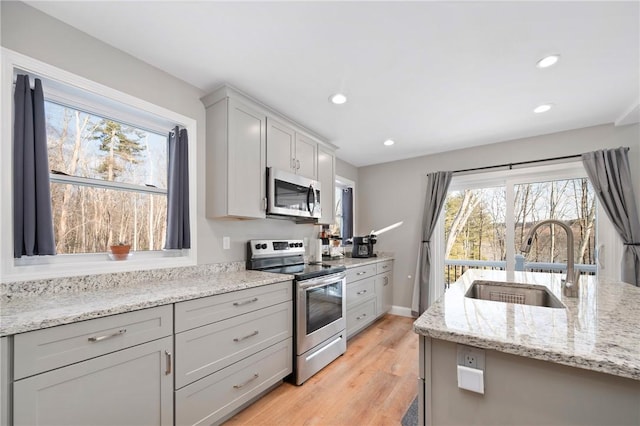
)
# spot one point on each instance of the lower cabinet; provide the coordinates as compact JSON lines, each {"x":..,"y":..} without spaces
{"x":132,"y":386}
{"x":213,"y":398}
{"x":225,"y":361}
{"x":369,"y":294}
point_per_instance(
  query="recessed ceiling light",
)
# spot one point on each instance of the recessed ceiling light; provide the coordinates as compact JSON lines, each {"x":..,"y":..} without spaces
{"x":547,"y":61}
{"x":389,"y":142}
{"x":338,"y":99}
{"x":542,"y":108}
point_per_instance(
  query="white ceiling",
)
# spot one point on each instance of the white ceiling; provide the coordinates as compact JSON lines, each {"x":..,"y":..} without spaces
{"x":434,"y":76}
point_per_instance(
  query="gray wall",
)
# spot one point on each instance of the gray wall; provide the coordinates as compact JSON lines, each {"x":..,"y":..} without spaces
{"x":346,"y":170}
{"x":60,"y":45}
{"x":394,"y":191}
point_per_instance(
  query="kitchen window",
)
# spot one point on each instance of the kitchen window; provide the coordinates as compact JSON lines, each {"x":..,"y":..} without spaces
{"x":108,"y":159}
{"x":108,"y":182}
{"x":487,"y":216}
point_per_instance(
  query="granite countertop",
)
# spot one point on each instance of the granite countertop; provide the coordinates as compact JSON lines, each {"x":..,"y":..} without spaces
{"x":598,"y":331}
{"x":23,"y":314}
{"x":352,"y":262}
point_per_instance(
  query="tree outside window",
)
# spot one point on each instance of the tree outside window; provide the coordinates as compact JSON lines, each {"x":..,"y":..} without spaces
{"x":108,"y":184}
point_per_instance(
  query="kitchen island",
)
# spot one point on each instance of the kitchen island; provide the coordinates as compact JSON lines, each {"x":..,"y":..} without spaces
{"x":574,"y":365}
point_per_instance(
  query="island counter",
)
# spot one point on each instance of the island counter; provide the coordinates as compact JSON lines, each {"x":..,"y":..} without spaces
{"x":577,"y":365}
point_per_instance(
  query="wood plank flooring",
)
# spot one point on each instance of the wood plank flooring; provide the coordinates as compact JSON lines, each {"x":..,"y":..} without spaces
{"x":373,"y":383}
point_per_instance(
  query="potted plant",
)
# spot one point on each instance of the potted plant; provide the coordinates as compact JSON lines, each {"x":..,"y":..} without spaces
{"x":120,"y":251}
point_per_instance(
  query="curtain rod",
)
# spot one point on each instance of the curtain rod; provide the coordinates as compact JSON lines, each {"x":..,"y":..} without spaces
{"x":519,"y":163}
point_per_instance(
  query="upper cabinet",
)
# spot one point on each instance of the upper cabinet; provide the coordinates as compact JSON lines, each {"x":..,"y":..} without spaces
{"x":236,"y":158}
{"x":244,"y":137}
{"x":327,"y":178}
{"x":290,"y":150}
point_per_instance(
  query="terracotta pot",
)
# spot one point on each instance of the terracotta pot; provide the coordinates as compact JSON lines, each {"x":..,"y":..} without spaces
{"x":120,"y":252}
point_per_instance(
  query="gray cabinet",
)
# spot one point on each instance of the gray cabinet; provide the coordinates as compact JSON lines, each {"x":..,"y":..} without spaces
{"x":290,"y":150}
{"x":236,"y":157}
{"x":229,"y":349}
{"x":369,"y":294}
{"x":99,"y":383}
{"x":327,"y":179}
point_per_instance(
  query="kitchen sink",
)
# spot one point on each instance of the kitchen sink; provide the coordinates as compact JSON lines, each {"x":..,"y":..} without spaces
{"x":524,"y":294}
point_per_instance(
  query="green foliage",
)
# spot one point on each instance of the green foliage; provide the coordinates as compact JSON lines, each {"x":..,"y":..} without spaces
{"x":122,"y":145}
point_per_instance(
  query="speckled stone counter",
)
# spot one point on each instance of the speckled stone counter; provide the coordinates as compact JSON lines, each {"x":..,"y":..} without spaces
{"x":63,"y":301}
{"x":598,"y":331}
{"x":352,"y":262}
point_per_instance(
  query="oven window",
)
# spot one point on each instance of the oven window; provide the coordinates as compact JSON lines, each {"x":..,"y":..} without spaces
{"x":324,"y":306}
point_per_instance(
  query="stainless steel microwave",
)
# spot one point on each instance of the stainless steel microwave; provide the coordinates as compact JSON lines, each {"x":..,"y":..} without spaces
{"x":289,"y":194}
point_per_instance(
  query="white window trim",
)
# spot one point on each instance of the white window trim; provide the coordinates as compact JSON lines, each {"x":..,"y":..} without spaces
{"x":80,"y":264}
{"x":605,"y":236}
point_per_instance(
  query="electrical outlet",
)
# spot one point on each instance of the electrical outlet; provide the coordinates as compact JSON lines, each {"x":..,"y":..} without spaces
{"x":470,"y":360}
{"x":226,"y":243}
{"x":470,"y":357}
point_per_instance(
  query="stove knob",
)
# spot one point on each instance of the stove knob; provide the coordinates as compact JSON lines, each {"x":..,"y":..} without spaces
{"x":299,"y":244}
{"x":264,"y":246}
{"x":257,"y":246}
{"x":292,"y":245}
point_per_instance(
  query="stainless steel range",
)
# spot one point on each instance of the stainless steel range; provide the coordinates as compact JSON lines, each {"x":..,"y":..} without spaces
{"x":319,"y":304}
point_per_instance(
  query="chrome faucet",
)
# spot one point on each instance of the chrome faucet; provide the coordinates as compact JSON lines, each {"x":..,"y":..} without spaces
{"x":571,"y":284}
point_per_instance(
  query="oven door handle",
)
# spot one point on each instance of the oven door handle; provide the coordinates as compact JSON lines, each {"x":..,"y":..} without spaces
{"x":321,"y":282}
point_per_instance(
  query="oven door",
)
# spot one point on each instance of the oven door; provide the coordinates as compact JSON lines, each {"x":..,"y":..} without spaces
{"x":320,"y":310}
{"x":292,"y":195}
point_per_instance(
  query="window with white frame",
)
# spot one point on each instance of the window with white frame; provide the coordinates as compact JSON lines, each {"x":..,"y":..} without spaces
{"x":487,"y":216}
{"x":106,"y":189}
{"x":108,"y":181}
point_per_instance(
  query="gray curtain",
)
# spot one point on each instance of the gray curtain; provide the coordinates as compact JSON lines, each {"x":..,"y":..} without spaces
{"x":178,"y":227}
{"x":610,"y":175}
{"x":32,"y":219}
{"x":347,"y":214}
{"x":437,"y":186}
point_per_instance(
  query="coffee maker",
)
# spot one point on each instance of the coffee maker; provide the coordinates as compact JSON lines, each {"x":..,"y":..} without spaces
{"x":363,"y":246}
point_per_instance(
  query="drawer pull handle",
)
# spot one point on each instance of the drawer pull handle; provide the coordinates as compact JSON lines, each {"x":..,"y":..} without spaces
{"x":241,"y":385}
{"x":169,"y":363}
{"x":246,"y":302}
{"x":361,"y":292}
{"x":240,"y":339}
{"x":108,"y":336}
{"x":361,"y":316}
{"x":386,"y":280}
{"x":361,"y":273}
{"x":385,"y":267}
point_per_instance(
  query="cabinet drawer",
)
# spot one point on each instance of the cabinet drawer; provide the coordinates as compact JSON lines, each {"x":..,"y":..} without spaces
{"x":384,"y":266}
{"x":360,"y":316}
{"x":360,"y":291}
{"x":133,"y":386}
{"x":205,"y":350}
{"x":361,"y":272}
{"x":207,"y":310}
{"x":46,"y":349}
{"x":209,"y":400}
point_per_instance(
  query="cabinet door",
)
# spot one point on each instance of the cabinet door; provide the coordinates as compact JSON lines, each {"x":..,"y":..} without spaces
{"x":384,"y":293}
{"x":306,"y":157}
{"x":280,"y":146}
{"x":327,"y":178}
{"x":130,"y":387}
{"x":246,"y":145}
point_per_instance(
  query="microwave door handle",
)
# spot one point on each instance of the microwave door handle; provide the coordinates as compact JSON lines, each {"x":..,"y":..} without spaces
{"x":309,"y":192}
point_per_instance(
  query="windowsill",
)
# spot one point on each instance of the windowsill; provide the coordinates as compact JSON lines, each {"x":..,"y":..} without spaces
{"x":44,"y":267}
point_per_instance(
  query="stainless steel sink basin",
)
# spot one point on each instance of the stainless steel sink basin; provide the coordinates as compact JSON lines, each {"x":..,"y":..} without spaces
{"x":524,"y":294}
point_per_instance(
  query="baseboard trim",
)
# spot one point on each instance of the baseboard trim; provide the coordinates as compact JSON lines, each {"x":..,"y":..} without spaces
{"x":401,"y":311}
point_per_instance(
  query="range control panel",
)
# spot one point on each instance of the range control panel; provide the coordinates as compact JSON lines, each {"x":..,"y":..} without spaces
{"x":263,"y":248}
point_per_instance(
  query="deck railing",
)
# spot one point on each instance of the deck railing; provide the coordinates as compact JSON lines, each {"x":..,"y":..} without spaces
{"x":456,"y":267}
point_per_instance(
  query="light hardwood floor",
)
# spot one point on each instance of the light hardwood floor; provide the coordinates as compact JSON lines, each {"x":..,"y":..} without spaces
{"x":373,"y":383}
